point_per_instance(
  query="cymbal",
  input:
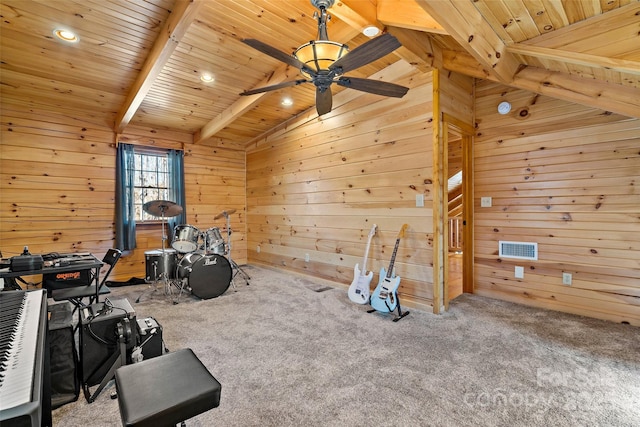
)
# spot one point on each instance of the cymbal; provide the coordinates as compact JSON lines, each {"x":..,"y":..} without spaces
{"x":163,"y":208}
{"x":225,"y":213}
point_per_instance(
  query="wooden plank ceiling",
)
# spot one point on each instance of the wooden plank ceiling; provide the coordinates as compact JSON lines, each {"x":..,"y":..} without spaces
{"x":139,"y":62}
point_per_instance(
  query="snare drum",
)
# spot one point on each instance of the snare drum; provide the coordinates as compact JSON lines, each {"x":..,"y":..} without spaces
{"x":158,"y":263}
{"x":208,"y":276}
{"x":185,"y":238}
{"x":213,"y":241}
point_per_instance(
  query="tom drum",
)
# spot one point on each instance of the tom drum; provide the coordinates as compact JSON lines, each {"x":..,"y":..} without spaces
{"x":158,"y":263}
{"x":208,"y":276}
{"x":185,"y":238}
{"x":213,"y":241}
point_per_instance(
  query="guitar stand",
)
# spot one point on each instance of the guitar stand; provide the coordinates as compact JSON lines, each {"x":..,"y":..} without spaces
{"x":400,"y":315}
{"x":117,"y":359}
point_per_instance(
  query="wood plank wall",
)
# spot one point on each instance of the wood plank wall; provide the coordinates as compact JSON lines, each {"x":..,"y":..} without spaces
{"x":564,"y":176}
{"x":58,"y":179}
{"x":319,"y":187}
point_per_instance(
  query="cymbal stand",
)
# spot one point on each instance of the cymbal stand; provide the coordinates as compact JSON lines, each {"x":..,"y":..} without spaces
{"x":234,"y":265}
{"x":164,"y":278}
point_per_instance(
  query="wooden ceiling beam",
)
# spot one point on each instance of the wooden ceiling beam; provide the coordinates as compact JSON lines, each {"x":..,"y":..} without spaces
{"x":407,"y":14}
{"x":599,"y":94}
{"x":242,"y":105}
{"x":469,"y":28}
{"x":182,"y":15}
{"x":594,"y":61}
{"x":417,"y":49}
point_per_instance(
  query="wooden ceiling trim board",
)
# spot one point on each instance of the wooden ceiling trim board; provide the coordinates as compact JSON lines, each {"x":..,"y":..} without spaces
{"x":620,"y":65}
{"x":173,"y":30}
{"x":465,"y":23}
{"x":408,"y":15}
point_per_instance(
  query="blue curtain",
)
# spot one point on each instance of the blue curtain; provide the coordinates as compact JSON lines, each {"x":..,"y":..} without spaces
{"x":125,"y":211}
{"x":176,"y":189}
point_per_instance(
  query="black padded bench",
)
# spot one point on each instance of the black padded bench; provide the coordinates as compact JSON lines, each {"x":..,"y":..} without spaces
{"x":165,"y":390}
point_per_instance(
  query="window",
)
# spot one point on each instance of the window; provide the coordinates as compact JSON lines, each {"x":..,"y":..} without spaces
{"x":150,"y":182}
{"x":144,"y":175}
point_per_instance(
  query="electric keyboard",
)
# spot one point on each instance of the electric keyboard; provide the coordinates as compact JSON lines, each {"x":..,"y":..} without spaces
{"x":25,"y":397}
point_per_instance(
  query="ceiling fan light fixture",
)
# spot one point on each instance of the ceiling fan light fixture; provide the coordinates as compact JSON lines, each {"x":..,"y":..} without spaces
{"x":320,"y":54}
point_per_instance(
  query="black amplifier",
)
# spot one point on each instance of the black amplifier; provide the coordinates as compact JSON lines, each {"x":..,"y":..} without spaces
{"x":99,"y":336}
{"x":26,"y":262}
{"x":149,"y":338}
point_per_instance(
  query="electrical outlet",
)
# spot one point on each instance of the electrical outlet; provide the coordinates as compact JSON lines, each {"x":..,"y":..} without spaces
{"x":258,"y":248}
{"x":566,"y":279}
{"x":306,"y":257}
{"x":419,"y":200}
{"x":519,"y":272}
{"x":485,"y":202}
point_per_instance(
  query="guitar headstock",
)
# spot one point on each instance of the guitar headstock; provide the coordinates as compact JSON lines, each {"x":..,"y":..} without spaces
{"x":373,"y":230}
{"x":402,"y":231}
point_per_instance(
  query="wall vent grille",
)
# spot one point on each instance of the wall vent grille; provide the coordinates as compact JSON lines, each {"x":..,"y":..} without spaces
{"x":519,"y":250}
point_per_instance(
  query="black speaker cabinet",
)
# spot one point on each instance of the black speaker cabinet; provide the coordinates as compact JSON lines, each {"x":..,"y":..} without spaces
{"x":65,"y":384}
{"x":101,"y":325}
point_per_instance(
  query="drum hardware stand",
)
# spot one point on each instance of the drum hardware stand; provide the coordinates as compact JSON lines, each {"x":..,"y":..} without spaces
{"x":162,"y":208}
{"x":234,"y":265}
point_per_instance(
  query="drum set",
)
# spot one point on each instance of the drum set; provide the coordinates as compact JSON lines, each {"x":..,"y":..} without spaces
{"x":198,"y":261}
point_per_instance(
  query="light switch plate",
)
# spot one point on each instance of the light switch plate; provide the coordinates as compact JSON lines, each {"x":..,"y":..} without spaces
{"x":419,"y":200}
{"x":519,"y":272}
{"x":485,"y":202}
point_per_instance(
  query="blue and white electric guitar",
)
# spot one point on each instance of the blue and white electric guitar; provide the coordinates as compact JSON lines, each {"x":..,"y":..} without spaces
{"x":384,"y":297}
{"x":359,"y":289}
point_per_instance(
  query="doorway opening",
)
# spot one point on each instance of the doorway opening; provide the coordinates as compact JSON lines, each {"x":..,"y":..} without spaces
{"x":459,"y":209}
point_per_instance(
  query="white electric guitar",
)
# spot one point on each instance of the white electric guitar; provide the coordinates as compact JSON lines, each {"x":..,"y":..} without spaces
{"x":359,"y":288}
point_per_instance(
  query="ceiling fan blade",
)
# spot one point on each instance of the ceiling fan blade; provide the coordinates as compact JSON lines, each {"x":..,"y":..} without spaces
{"x":373,"y":86}
{"x":273,"y":87}
{"x":372,"y":50}
{"x":274,"y":53}
{"x":324,"y":100}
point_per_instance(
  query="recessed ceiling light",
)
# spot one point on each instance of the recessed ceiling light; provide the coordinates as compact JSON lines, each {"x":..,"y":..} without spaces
{"x":287,"y":102}
{"x":504,"y":107}
{"x":66,"y":35}
{"x":207,"y":78}
{"x":371,"y":31}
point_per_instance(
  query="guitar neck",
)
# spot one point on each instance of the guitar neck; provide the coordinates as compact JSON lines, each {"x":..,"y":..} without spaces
{"x":363,"y":272}
{"x":393,"y":259}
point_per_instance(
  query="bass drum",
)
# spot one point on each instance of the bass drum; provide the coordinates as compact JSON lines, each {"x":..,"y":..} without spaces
{"x":208,"y":276}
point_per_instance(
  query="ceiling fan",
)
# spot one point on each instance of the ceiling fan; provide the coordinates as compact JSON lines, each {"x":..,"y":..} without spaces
{"x":323,"y":62}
